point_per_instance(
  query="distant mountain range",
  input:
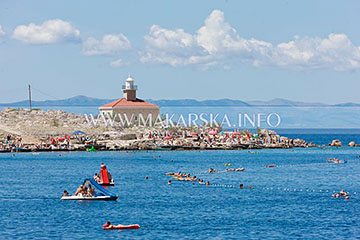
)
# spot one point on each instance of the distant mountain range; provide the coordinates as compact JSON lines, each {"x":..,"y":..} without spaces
{"x":83,"y":101}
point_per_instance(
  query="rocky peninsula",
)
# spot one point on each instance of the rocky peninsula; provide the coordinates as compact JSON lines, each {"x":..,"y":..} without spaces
{"x":27,"y":130}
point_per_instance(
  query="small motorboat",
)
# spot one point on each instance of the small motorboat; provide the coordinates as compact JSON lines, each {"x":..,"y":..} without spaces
{"x":101,"y":194}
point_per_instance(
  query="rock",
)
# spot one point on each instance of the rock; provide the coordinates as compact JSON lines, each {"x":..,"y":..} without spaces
{"x":127,"y":136}
{"x":299,"y":143}
{"x":202,"y":145}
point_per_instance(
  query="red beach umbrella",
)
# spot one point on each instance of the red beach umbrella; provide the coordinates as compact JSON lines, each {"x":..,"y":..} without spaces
{"x":167,"y":137}
{"x":213,"y":132}
{"x":193,"y":134}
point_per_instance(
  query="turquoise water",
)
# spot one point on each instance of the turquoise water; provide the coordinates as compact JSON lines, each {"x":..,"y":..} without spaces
{"x":292,"y":201}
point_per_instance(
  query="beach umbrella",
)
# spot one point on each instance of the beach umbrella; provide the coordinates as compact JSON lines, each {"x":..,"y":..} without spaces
{"x":213,"y":132}
{"x":78,"y":133}
{"x":193,"y":134}
{"x":167,"y":137}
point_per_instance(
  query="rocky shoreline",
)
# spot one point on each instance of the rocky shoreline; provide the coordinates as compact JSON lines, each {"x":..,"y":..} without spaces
{"x":23,"y":130}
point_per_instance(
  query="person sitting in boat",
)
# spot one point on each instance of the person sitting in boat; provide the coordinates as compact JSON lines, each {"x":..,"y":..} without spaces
{"x":84,"y":191}
{"x":102,"y":166}
{"x":90,"y":192}
{"x":79,"y":190}
{"x":65,"y":194}
{"x":97,"y":178}
{"x":109,"y":176}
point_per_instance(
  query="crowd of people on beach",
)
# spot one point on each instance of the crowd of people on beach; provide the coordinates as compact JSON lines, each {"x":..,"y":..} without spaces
{"x":11,"y":142}
{"x":14,"y":143}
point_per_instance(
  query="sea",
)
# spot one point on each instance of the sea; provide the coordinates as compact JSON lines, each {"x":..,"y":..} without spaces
{"x":290,"y":201}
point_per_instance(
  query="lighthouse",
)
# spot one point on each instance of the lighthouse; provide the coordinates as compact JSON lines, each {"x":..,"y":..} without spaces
{"x":129,"y":89}
{"x":129,"y":104}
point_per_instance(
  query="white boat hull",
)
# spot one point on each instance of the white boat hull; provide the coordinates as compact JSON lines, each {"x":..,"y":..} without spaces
{"x":99,"y":198}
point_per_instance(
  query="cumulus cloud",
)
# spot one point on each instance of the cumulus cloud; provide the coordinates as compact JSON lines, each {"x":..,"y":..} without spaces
{"x":108,"y":45}
{"x":2,"y":33}
{"x":119,"y":63}
{"x":174,"y":47}
{"x":217,"y":43}
{"x":51,"y":31}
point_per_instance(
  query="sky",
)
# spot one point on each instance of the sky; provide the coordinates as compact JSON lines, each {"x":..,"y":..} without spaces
{"x":247,"y":50}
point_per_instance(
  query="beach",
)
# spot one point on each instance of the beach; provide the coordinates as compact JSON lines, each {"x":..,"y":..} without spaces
{"x":23,"y":130}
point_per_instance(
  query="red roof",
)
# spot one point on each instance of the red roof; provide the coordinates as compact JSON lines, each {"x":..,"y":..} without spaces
{"x":122,"y":102}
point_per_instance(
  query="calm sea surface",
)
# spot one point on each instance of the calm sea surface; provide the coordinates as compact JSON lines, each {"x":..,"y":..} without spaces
{"x":291,"y":201}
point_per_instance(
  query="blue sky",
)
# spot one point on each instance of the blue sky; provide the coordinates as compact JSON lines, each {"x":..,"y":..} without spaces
{"x":248,"y":50}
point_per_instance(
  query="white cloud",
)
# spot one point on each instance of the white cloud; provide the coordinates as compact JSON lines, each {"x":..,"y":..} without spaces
{"x":51,"y":31}
{"x":2,"y":33}
{"x":336,"y":51}
{"x":173,"y":47}
{"x":118,"y":63}
{"x":108,"y":45}
{"x":216,"y":43}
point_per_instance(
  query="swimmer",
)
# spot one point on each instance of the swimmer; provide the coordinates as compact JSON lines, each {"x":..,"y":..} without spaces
{"x":172,"y":161}
{"x":336,"y":195}
{"x":347,"y":197}
{"x":146,"y":177}
{"x":251,"y":187}
{"x":241,"y":186}
{"x":211,"y":170}
{"x":207,"y":183}
{"x":169,"y":182}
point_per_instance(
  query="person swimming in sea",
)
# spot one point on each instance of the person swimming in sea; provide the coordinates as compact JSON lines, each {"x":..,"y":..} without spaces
{"x":211,"y":170}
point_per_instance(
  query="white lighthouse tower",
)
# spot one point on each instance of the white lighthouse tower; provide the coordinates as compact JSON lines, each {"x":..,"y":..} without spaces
{"x":129,"y":89}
